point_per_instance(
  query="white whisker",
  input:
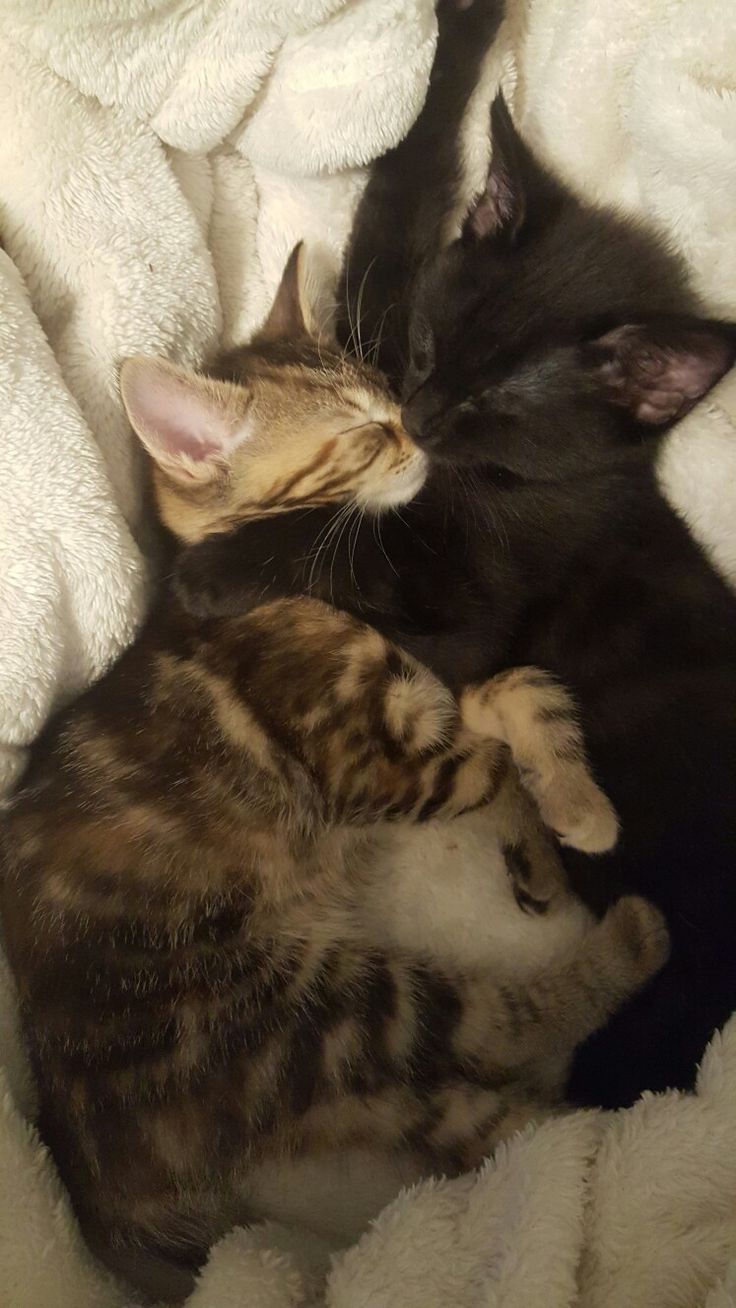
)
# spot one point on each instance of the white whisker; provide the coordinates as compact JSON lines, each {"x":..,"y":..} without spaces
{"x":375,"y":344}
{"x":379,"y":541}
{"x":353,"y":542}
{"x":345,"y":520}
{"x":322,"y":543}
{"x":349,"y":346}
{"x":359,"y":309}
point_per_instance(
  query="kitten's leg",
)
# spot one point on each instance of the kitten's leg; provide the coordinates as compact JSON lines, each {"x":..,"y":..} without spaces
{"x":374,"y":733}
{"x":536,"y":717}
{"x":454,"y":1063}
{"x":383,"y":738}
{"x":358,"y":1047}
{"x":533,"y":862}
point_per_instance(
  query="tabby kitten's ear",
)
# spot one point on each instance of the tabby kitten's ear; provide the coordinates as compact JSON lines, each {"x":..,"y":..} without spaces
{"x":516,"y":185}
{"x":660,"y":369}
{"x":290,"y":315}
{"x":189,"y":424}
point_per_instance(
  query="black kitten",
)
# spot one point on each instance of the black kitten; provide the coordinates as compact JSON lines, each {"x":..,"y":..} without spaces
{"x":548,"y":345}
{"x":553,"y":332}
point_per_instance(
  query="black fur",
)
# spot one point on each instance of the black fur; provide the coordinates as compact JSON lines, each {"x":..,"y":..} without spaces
{"x":548,"y":346}
{"x":376,"y":281}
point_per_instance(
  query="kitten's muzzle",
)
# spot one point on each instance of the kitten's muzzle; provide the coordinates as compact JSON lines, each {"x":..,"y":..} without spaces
{"x":422,"y":418}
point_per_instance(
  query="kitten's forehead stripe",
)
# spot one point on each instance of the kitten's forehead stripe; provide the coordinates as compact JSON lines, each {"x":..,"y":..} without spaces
{"x":281,"y":490}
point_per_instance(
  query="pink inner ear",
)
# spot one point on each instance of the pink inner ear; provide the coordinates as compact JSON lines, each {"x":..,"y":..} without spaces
{"x":176,"y":417}
{"x":660,"y":373}
{"x":180,"y":442}
{"x":495,"y":207}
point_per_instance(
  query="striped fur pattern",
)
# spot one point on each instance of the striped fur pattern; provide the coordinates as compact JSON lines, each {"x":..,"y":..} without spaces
{"x":181,"y":869}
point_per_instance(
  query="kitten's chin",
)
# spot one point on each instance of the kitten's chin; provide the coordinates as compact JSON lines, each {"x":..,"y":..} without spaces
{"x":399,"y":488}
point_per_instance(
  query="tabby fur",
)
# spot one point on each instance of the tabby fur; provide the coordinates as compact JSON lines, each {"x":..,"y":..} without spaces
{"x":180,"y":866}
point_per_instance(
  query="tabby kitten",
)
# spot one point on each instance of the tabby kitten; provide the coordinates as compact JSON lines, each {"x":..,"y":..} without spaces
{"x":540,"y":354}
{"x":180,"y":863}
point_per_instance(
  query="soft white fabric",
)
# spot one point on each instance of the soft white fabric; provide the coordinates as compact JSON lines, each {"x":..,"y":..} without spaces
{"x":152,"y":153}
{"x":157,"y":160}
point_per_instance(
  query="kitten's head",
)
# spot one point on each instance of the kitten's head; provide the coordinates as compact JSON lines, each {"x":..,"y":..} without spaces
{"x":551,"y":331}
{"x":283,"y":423}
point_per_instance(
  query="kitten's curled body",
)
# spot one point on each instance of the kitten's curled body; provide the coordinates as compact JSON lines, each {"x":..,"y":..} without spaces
{"x":181,"y":864}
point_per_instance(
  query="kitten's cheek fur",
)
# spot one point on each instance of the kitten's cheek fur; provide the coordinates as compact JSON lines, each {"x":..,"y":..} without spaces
{"x":400,"y":486}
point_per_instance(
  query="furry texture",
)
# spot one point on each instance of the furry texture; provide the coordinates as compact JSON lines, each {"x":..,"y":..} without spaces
{"x":586,"y":1212}
{"x":182,"y":867}
{"x":163,"y":160}
{"x":119,"y":123}
{"x":631,"y":101}
{"x":539,"y":356}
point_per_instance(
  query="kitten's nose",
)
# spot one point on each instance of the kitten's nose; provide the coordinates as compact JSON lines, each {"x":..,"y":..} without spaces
{"x":418,"y":417}
{"x":412,"y":384}
{"x":410,"y":420}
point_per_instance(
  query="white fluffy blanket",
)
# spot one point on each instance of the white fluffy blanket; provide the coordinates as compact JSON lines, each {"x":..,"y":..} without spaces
{"x":157,"y":159}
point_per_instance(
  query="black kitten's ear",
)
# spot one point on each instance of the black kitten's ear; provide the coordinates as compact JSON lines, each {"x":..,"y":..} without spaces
{"x":290,"y":315}
{"x":516,"y":184}
{"x":500,"y":208}
{"x":659,"y":370}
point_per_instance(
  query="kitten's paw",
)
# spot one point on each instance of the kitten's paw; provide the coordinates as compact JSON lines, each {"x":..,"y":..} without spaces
{"x":204,"y":586}
{"x":534,"y":875}
{"x":639,"y":934}
{"x":527,"y":710}
{"x":479,"y":712}
{"x":579,"y":813}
